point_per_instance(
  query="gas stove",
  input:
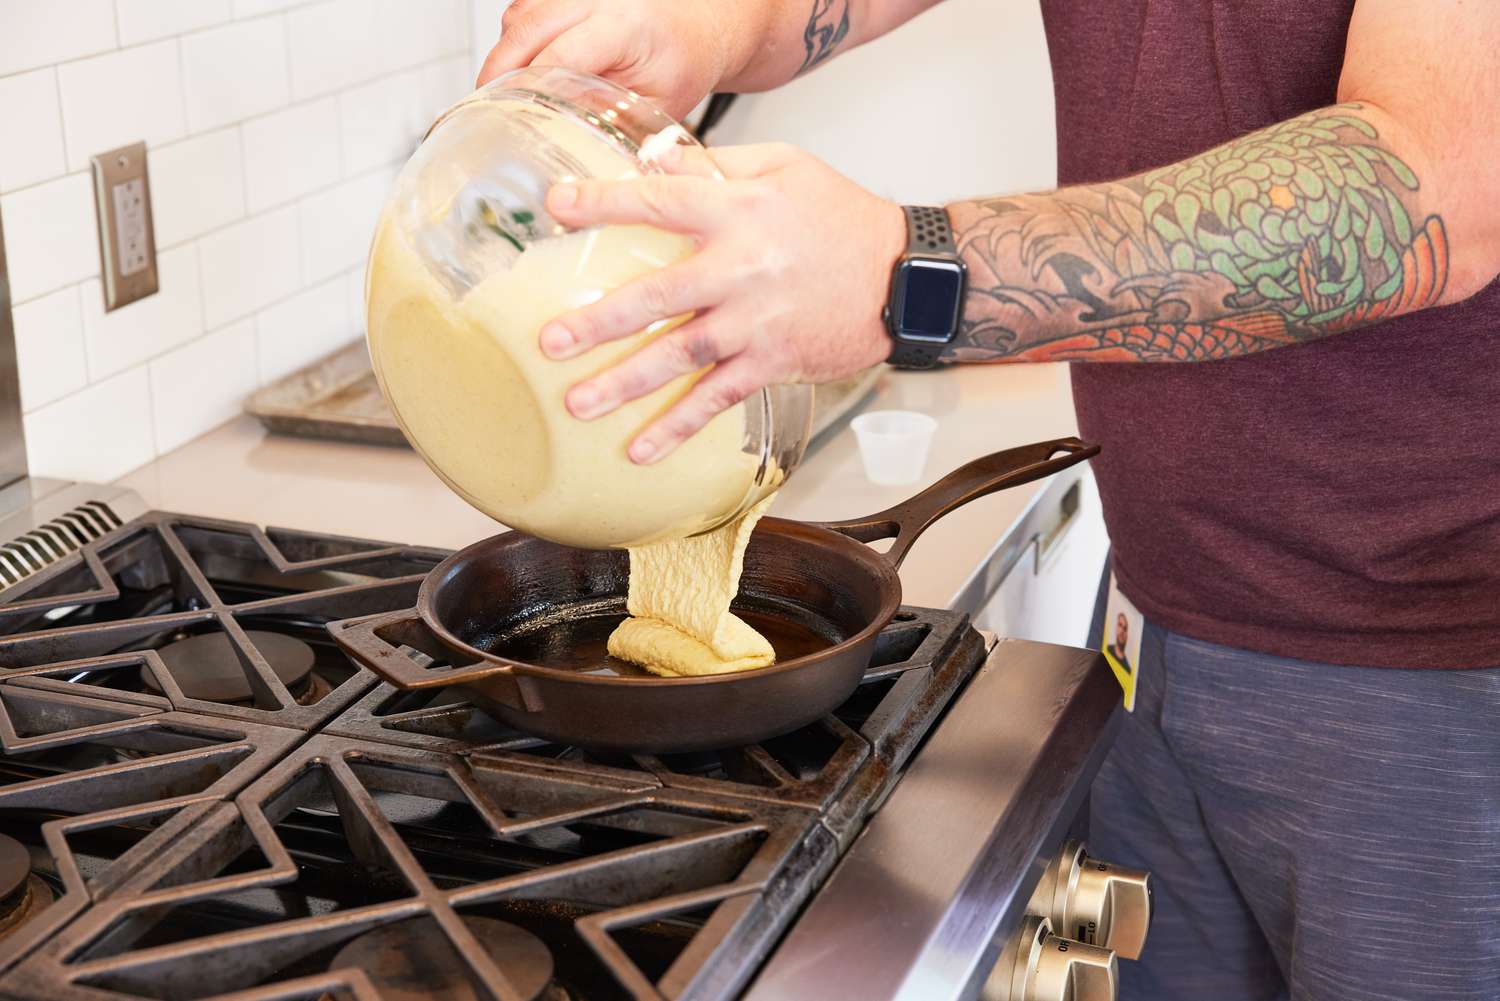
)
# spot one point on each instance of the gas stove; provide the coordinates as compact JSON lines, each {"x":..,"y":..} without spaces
{"x":200,"y":796}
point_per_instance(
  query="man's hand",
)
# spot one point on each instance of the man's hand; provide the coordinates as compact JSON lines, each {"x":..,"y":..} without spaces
{"x":675,"y":52}
{"x":788,"y":285}
{"x":671,"y":52}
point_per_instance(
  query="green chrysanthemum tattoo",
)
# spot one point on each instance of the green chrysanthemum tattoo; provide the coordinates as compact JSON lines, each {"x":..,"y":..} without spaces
{"x":1299,"y":230}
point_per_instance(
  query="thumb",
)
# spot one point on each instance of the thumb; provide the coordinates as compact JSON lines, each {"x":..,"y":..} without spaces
{"x":526,"y":29}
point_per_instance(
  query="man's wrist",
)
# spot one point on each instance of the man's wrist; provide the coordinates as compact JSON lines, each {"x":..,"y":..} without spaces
{"x":767,"y":43}
{"x":887,"y":244}
{"x":749,"y":34}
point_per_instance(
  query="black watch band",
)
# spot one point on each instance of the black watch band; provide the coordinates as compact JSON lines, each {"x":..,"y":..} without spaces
{"x":922,"y":315}
{"x":928,"y":231}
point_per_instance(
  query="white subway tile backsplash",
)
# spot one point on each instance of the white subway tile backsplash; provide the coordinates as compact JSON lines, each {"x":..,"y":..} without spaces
{"x":291,"y":152}
{"x":234,"y":72}
{"x":51,"y":238}
{"x":96,"y":434}
{"x":254,"y":8}
{"x":118,"y":98}
{"x":383,"y":122}
{"x":304,"y":328}
{"x":484,"y":23}
{"x":249,"y":265}
{"x":331,"y":46}
{"x":356,"y":282}
{"x":144,"y":20}
{"x":31,"y":130}
{"x":417,"y":33}
{"x":43,"y":32}
{"x":49,"y":348}
{"x":197,"y":185}
{"x":444,"y":83}
{"x":147,"y":327}
{"x":201,"y":385}
{"x":337,"y":224}
{"x":274,"y":127}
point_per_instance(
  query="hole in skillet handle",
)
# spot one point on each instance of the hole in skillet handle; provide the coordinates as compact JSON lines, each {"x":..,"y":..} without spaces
{"x":379,"y":642}
{"x":906,"y":521}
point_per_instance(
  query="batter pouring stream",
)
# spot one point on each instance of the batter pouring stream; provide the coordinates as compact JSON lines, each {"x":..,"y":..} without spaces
{"x":679,"y":597}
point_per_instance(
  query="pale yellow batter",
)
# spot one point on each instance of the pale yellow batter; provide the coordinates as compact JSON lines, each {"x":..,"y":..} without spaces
{"x":679,"y":598}
{"x":471,"y":388}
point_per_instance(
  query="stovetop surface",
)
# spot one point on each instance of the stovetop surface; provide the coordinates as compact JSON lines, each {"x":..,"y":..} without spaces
{"x":213,"y":801}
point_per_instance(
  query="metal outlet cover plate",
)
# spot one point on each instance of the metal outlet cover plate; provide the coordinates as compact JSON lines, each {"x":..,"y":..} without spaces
{"x":127,"y":237}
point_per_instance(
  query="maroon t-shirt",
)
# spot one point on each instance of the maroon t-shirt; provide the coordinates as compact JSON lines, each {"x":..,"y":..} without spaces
{"x":1337,"y":500}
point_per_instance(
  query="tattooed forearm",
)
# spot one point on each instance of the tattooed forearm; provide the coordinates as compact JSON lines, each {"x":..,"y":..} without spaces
{"x":826,"y":27}
{"x":1303,"y":229}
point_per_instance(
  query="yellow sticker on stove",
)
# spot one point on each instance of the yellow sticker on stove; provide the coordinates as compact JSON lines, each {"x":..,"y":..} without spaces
{"x":1121,"y":642}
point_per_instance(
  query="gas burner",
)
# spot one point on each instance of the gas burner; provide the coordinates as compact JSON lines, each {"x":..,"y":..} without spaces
{"x":414,"y":961}
{"x":206,"y":667}
{"x":22,"y":893}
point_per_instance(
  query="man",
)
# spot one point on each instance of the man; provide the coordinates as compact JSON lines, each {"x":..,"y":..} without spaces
{"x":1312,"y":533}
{"x":1119,"y":649}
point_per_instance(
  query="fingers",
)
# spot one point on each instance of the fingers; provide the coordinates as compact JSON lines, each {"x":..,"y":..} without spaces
{"x":724,"y":386}
{"x":657,"y":295}
{"x":696,"y":344}
{"x":526,"y":28}
{"x":755,"y":159}
{"x":590,"y":47}
{"x":681,"y":203}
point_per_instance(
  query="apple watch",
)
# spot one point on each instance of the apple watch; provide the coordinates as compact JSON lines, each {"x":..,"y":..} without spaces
{"x":927,"y":290}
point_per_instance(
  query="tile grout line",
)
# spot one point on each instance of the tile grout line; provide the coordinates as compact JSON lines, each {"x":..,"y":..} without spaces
{"x":158,"y":38}
{"x":187,"y":128}
{"x":286,"y":36}
{"x":190,"y":136}
{"x":62,"y":132}
{"x":146,"y":362}
{"x":294,"y":202}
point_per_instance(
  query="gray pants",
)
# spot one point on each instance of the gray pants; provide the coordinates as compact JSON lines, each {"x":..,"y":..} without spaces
{"x":1313,"y":832}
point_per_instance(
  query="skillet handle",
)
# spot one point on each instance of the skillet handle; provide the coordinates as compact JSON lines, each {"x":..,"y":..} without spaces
{"x":376,"y":643}
{"x":997,"y":471}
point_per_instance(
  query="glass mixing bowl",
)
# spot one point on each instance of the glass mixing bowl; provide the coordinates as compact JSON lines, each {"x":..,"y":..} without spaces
{"x":465,"y":268}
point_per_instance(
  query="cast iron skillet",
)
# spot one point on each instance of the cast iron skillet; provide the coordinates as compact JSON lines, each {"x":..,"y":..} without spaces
{"x":522,"y":624}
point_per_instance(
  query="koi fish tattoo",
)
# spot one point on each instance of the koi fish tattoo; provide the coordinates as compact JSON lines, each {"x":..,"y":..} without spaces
{"x":826,"y":28}
{"x":1300,"y":230}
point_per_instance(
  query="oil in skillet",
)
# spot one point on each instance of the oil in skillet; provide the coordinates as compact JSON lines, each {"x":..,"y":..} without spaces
{"x":578,"y":642}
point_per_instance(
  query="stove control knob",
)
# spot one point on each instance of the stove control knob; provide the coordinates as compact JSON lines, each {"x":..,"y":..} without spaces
{"x":1039,"y":966}
{"x":1095,"y":902}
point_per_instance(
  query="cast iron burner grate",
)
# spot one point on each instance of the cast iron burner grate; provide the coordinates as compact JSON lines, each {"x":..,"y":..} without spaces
{"x":207,"y":616}
{"x":631,"y":889}
{"x":217,"y":803}
{"x":91,"y":789}
{"x":840,"y":765}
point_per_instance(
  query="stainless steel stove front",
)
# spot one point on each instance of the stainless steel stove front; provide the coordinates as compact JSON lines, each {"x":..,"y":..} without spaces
{"x":939,"y":883}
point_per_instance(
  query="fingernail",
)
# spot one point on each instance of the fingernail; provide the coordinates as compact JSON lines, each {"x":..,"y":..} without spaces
{"x":586,"y":402}
{"x":557,"y":341}
{"x":563,"y":196}
{"x":643,"y":452}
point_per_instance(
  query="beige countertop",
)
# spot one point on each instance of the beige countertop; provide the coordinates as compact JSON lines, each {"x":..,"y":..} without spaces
{"x":241,"y":472}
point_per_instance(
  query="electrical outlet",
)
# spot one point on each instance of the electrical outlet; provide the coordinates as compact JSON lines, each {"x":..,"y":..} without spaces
{"x":127,"y":236}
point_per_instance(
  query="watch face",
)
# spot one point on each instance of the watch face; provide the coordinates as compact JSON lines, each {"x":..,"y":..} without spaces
{"x":930,"y":301}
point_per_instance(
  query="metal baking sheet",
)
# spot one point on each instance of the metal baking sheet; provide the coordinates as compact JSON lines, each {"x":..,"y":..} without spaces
{"x":336,"y":397}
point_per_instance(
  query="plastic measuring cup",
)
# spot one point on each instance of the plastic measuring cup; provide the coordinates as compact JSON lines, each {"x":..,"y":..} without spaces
{"x":894,"y":445}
